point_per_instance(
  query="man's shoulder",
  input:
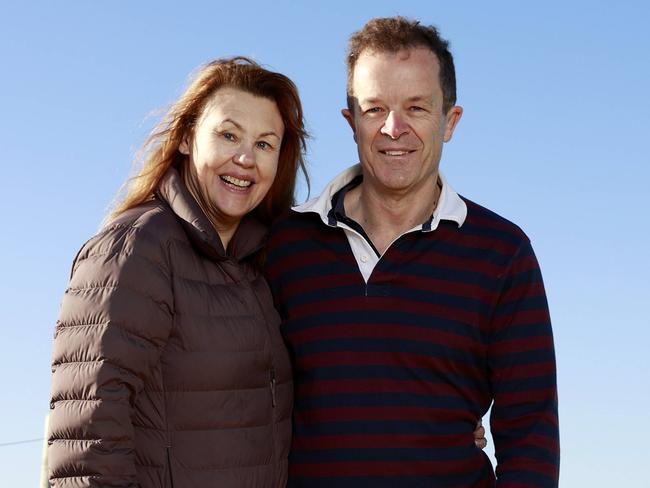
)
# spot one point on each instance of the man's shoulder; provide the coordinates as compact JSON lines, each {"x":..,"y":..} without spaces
{"x":292,"y":221}
{"x":300,"y":233}
{"x":482,"y":220}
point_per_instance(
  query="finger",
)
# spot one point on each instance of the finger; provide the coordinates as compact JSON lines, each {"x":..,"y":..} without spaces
{"x":480,"y":432}
{"x":481,"y":443}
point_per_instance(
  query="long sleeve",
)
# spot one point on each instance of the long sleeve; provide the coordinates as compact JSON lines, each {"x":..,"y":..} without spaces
{"x":524,"y":419}
{"x":115,"y":318}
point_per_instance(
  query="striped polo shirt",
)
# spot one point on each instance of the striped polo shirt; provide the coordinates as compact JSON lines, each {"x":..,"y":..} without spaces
{"x":396,"y":356}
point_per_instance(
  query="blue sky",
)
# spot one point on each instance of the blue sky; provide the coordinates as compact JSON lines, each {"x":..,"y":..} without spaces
{"x":554,"y":137}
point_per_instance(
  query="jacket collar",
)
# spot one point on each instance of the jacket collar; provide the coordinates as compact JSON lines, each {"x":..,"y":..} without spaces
{"x":249,"y":236}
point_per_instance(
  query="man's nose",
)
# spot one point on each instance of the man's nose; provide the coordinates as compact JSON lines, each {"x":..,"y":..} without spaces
{"x":394,"y":126}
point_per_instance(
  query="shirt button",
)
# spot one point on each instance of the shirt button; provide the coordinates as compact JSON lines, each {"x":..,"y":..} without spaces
{"x":364,"y":259}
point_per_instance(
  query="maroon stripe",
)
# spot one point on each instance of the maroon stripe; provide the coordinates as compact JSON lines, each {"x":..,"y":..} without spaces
{"x":367,"y":413}
{"x":512,"y":346}
{"x":384,"y":304}
{"x":374,"y":440}
{"x":388,"y":331}
{"x":383,"y":385}
{"x":445,"y":261}
{"x":385,"y":468}
{"x":521,"y":317}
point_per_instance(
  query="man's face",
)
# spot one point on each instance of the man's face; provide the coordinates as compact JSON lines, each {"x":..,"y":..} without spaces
{"x":398,"y":122}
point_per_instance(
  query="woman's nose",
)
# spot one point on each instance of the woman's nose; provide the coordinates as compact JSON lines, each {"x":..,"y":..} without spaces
{"x":245,"y":158}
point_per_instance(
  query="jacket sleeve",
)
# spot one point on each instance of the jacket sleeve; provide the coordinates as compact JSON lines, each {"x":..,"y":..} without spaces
{"x":521,"y":356}
{"x":115,"y":317}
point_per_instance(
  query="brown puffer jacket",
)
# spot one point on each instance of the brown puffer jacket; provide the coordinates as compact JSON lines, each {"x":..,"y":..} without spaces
{"x":168,"y":367}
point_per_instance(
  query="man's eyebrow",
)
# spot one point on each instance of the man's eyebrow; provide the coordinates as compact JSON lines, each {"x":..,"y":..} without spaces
{"x":414,"y":98}
{"x":420,"y":98}
{"x":369,"y":100}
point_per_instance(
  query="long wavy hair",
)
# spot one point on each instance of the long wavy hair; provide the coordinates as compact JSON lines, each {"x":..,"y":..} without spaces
{"x":161,"y":149}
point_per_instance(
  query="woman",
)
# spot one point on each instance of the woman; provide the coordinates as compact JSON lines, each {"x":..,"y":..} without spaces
{"x":168,"y":365}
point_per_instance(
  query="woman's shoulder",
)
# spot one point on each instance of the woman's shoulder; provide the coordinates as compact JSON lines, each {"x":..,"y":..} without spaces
{"x":144,"y":230}
{"x":149,"y":216}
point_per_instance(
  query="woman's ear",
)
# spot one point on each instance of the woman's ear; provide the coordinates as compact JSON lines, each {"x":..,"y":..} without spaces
{"x":184,"y":147}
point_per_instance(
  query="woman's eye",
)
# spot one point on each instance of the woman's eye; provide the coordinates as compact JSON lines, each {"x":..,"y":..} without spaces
{"x":264,"y":145}
{"x":228,"y":136}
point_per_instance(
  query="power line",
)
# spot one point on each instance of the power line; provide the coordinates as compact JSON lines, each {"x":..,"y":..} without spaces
{"x":3,"y":444}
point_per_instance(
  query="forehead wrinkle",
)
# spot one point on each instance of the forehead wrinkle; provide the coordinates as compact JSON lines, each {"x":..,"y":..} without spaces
{"x":388,"y":69}
{"x":247,"y":112}
{"x":233,"y":122}
{"x":239,"y":126}
{"x":373,"y":99}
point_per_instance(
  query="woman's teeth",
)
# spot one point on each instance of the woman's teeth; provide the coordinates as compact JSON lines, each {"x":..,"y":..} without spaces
{"x":236,"y":181}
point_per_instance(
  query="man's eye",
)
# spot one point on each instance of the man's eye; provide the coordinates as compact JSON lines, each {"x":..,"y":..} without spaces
{"x":373,"y":110}
{"x":415,"y":108}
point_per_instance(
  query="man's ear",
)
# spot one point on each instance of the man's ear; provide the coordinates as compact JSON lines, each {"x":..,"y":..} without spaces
{"x":184,"y":147}
{"x":451,"y":120}
{"x":349,"y":116}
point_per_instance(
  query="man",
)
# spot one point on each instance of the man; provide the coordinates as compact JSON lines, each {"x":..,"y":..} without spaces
{"x":407,"y":308}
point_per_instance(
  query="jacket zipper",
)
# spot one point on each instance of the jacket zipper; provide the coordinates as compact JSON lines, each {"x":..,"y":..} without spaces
{"x":169,"y":465}
{"x":273,"y":405}
{"x":273,"y":400}
{"x":272,"y":380}
{"x":168,"y":440}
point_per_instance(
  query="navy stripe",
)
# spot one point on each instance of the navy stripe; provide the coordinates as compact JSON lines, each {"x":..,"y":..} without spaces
{"x":528,"y":478}
{"x":404,"y":480}
{"x":369,"y":344}
{"x":539,"y":329}
{"x":360,"y":372}
{"x":456,"y":249}
{"x":388,"y":317}
{"x":433,"y":296}
{"x":521,"y":410}
{"x":381,"y":400}
{"x":408,"y":427}
{"x":438,"y":271}
{"x":537,"y":383}
{"x":524,"y":358}
{"x":544,"y":429}
{"x":383,"y":454}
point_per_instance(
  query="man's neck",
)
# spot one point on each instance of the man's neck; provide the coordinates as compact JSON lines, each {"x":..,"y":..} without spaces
{"x":384,"y":216}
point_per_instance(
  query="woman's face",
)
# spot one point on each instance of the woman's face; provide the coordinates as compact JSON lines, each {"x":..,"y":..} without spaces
{"x":234,"y":152}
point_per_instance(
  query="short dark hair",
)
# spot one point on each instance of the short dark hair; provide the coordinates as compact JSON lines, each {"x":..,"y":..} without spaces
{"x":392,"y":34}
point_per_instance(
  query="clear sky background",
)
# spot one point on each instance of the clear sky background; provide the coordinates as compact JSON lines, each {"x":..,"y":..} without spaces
{"x":554,"y":136}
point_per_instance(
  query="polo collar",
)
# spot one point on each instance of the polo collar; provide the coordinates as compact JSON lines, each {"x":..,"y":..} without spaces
{"x":450,"y":206}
